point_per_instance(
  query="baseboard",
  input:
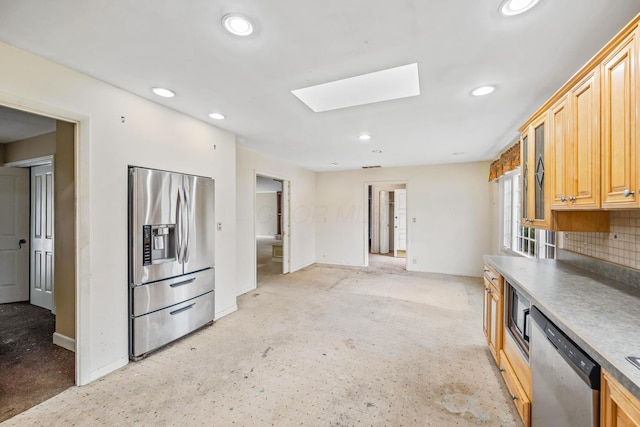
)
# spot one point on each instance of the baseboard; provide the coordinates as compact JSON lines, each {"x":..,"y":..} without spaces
{"x":64,"y":341}
{"x":226,"y":311}
{"x":99,"y":373}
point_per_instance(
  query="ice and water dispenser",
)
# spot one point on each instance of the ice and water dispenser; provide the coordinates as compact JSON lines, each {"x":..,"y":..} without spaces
{"x":159,"y":243}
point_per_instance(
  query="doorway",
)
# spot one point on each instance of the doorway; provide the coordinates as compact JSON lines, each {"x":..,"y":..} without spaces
{"x":271,"y":225}
{"x":386,"y":236}
{"x":37,"y":341}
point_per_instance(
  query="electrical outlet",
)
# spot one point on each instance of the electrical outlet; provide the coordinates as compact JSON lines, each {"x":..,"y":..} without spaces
{"x":219,"y":226}
{"x":414,"y":261}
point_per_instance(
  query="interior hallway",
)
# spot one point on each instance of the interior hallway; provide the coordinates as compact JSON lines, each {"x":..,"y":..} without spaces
{"x":325,"y":345}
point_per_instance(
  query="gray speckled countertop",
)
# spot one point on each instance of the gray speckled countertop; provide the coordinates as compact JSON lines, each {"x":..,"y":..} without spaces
{"x":601,"y":315}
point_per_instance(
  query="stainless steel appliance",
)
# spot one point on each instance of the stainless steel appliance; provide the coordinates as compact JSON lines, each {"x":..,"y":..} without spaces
{"x":565,"y":380}
{"x":517,"y":317}
{"x":171,"y":257}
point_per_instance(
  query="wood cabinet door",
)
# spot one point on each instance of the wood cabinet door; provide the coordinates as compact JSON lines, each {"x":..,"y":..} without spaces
{"x":560,"y":149}
{"x":539,"y":208}
{"x":618,"y":408}
{"x":486,"y":311}
{"x":495,"y":322}
{"x":619,"y":127}
{"x":584,"y":146}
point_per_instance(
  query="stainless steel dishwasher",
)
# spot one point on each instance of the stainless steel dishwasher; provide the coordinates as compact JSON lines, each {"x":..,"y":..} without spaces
{"x":565,"y":380}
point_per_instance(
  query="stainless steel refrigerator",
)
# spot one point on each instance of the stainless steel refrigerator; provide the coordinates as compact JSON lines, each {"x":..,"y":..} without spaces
{"x":171,"y":257}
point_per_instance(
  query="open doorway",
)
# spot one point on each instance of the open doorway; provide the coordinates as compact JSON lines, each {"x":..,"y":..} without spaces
{"x":271,"y":227}
{"x":387,"y":224}
{"x":37,"y":220}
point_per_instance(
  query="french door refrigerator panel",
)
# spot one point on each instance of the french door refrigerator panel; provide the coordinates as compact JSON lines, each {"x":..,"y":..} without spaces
{"x":153,"y":200}
{"x":200,"y":252}
{"x":171,"y":258}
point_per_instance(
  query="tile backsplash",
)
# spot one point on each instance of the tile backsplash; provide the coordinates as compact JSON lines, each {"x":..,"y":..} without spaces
{"x":621,"y":245}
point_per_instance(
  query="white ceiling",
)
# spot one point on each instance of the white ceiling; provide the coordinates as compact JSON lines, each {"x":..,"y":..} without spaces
{"x":16,"y":125}
{"x":458,"y":45}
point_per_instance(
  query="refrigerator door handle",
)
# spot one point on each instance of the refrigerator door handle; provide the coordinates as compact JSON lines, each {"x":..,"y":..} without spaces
{"x":179,"y":237}
{"x":187,"y":222}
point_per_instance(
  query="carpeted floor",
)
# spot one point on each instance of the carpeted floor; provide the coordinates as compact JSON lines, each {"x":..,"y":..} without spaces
{"x":32,"y":368}
{"x":326,"y":345}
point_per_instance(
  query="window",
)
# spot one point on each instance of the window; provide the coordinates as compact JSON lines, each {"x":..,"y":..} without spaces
{"x":526,"y":241}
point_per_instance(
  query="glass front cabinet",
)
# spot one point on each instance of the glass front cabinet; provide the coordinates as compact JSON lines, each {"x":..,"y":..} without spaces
{"x":536,"y":212}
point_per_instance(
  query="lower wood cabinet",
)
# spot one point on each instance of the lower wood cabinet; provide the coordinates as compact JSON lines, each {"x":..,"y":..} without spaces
{"x":618,"y":407}
{"x":516,"y":390}
{"x":493,"y":310}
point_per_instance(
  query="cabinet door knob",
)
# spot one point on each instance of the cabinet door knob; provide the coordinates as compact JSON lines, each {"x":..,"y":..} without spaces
{"x":501,"y":369}
{"x":562,"y":199}
{"x":571,"y":199}
{"x":627,"y":193}
{"x":514,"y":397}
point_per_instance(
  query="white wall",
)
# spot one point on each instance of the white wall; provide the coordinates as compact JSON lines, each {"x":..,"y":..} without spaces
{"x":266,"y":214}
{"x":451,"y":205}
{"x":151,"y":136}
{"x":302,"y":204}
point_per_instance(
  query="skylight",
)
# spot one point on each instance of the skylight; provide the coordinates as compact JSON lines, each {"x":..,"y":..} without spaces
{"x":385,"y":85}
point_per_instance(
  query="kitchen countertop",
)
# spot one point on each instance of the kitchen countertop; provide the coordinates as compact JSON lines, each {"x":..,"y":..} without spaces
{"x":601,"y":315}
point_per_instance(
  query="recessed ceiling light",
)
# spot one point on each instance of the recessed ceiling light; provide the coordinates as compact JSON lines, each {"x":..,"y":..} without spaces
{"x":165,"y":93}
{"x":516,"y":7}
{"x":334,"y":164}
{"x":237,"y":24}
{"x":457,"y":153}
{"x":364,"y":137}
{"x":377,"y":151}
{"x":385,"y":85}
{"x":217,"y":116}
{"x":483,"y":90}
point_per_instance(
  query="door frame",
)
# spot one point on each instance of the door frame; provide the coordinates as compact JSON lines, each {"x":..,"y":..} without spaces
{"x":82,"y":223}
{"x":365,"y":228}
{"x":286,"y":220}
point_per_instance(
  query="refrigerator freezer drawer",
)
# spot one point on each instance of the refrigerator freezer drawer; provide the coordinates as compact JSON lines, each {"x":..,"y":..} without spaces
{"x":155,"y":296}
{"x":156,"y":329}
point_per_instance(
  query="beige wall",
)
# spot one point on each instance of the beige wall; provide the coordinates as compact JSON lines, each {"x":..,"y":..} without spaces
{"x":31,"y":148}
{"x":449,"y":209}
{"x":152,"y":136}
{"x":64,"y":250}
{"x":301,"y":209}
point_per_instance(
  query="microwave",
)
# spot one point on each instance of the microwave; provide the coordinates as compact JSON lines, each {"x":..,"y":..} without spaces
{"x":517,"y":317}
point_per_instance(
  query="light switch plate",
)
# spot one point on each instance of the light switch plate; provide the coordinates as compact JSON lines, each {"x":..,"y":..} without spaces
{"x":635,"y":361}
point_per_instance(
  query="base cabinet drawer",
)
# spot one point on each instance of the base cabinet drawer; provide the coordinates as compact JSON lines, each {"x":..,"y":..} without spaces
{"x":520,"y":399}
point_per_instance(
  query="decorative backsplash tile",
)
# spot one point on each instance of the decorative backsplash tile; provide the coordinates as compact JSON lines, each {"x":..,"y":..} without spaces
{"x":621,"y":245}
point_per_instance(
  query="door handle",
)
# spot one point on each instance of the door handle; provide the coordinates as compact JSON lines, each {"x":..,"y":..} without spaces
{"x":21,"y":242}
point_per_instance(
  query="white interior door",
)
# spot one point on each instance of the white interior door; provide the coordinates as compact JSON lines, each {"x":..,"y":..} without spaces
{"x":14,"y":235}
{"x":384,"y":222}
{"x":286,"y":261}
{"x":42,"y":266}
{"x":400,"y":221}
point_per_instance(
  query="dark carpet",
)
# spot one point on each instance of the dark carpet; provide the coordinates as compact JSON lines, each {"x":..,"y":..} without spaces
{"x":32,"y":368}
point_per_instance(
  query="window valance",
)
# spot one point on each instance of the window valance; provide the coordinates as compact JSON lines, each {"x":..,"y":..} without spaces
{"x":508,"y":161}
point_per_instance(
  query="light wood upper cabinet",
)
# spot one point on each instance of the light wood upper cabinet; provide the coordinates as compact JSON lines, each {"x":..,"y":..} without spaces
{"x":575,"y":146}
{"x":535,"y":146}
{"x":592,"y":143}
{"x":620,"y":167}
